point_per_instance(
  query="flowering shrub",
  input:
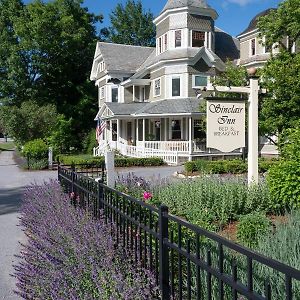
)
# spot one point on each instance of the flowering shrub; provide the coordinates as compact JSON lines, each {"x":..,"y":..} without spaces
{"x":69,"y":255}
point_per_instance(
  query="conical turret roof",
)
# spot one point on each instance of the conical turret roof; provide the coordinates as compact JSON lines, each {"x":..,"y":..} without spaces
{"x":171,"y":4}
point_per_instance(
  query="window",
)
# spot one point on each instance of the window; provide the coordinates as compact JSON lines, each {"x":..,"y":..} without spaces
{"x":166,"y":42}
{"x":175,"y":86}
{"x":198,"y":38}
{"x":102,"y":92}
{"x":160,"y":45}
{"x":253,"y":47}
{"x":157,"y":87}
{"x":268,"y":48}
{"x":177,"y":38}
{"x":200,"y":81}
{"x":176,"y":130}
{"x":114,"y":95}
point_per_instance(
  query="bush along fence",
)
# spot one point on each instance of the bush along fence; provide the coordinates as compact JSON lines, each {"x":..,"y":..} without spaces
{"x":188,"y":262}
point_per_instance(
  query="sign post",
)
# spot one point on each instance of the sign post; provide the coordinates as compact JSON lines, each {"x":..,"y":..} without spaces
{"x":252,"y":90}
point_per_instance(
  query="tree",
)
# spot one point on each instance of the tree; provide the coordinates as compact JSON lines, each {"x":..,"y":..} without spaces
{"x":131,"y":25}
{"x":29,"y":121}
{"x":46,"y":55}
{"x":281,"y":108}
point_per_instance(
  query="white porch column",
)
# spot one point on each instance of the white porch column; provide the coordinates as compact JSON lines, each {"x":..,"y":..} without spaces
{"x":144,"y":132}
{"x":137,"y":131}
{"x":133,"y":93}
{"x":190,"y":138}
{"x":253,"y":132}
{"x":118,"y":133}
{"x":166,"y":129}
{"x":110,"y":131}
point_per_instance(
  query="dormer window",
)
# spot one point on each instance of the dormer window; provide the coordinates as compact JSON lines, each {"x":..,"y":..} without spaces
{"x":253,"y":47}
{"x":177,"y":38}
{"x":198,"y":38}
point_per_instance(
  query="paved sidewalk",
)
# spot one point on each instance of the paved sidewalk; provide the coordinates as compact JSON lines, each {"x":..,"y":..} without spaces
{"x":12,"y":182}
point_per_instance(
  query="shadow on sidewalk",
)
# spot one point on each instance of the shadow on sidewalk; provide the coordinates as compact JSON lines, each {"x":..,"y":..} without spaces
{"x":10,"y":201}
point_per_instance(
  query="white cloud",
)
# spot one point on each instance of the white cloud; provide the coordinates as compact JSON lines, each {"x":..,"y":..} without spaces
{"x":242,"y":2}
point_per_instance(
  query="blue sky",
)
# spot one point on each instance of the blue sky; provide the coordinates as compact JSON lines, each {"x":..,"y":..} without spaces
{"x":234,"y":15}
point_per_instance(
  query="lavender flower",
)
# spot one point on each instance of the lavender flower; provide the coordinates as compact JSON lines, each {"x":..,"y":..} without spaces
{"x":69,"y":255}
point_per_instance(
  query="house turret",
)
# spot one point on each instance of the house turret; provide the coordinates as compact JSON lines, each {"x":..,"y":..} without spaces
{"x":185,"y":24}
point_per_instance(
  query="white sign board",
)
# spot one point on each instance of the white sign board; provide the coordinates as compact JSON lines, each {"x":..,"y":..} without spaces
{"x":225,"y":124}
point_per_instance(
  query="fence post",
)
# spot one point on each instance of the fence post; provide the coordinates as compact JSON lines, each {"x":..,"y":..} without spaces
{"x":72,"y":177}
{"x":100,"y":196}
{"x":164,"y":276}
{"x":110,"y":168}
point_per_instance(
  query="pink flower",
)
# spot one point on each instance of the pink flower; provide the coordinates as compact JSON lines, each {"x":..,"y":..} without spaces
{"x":72,"y":195}
{"x":147,"y":195}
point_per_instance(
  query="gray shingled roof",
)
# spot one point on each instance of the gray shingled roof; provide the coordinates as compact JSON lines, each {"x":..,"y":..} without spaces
{"x":125,"y":58}
{"x":253,"y":23}
{"x":119,"y":109}
{"x":183,"y":3}
{"x":226,"y":46}
{"x":170,"y":106}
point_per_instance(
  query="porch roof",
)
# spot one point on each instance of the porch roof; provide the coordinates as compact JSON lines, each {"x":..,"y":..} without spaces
{"x":179,"y":106}
{"x":170,"y":106}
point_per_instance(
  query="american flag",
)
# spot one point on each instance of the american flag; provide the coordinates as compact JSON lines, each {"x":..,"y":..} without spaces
{"x":100,"y":127}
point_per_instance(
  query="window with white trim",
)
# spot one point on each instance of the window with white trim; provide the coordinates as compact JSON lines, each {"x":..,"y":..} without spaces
{"x":198,"y":38}
{"x":102,"y":92}
{"x":162,"y":43}
{"x":200,"y":81}
{"x":176,"y":88}
{"x":157,"y":87}
{"x":114,"y":94}
{"x":178,"y":38}
{"x":166,"y":42}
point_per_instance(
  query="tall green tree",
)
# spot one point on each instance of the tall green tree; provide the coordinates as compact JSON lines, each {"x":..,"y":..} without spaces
{"x":130,"y":24}
{"x":47,"y":55}
{"x":281,"y":74}
{"x":29,"y":121}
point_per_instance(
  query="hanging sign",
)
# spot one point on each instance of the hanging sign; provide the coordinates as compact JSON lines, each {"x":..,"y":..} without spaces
{"x":225,"y":124}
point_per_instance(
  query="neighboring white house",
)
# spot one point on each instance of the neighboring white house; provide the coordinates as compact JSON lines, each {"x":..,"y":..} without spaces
{"x":147,"y":95}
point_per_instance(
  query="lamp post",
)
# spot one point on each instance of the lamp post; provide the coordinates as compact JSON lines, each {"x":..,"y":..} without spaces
{"x":252,"y":90}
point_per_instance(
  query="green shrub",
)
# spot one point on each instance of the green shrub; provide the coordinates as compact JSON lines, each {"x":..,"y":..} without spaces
{"x":190,"y":166}
{"x":283,"y":245}
{"x":284,"y":184}
{"x":219,"y":201}
{"x":234,"y":166}
{"x":85,"y":159}
{"x":36,"y":149}
{"x":37,"y":164}
{"x":264,"y":165}
{"x":289,"y":144}
{"x":251,"y":227}
{"x":89,"y":142}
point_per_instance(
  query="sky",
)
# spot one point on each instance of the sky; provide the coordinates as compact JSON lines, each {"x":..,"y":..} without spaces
{"x":234,"y":15}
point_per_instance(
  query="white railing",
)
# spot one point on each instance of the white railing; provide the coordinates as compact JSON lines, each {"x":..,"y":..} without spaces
{"x":177,"y":146}
{"x":170,"y":157}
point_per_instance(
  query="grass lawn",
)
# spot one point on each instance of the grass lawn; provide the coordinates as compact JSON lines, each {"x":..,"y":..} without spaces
{"x":7,"y":146}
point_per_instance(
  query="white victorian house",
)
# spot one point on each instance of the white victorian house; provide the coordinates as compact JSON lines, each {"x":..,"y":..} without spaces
{"x":147,"y":95}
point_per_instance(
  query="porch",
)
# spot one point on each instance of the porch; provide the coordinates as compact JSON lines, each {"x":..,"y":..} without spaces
{"x":174,"y":139}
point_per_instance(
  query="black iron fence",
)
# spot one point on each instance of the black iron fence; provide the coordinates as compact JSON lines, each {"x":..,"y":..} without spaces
{"x":189,"y":262}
